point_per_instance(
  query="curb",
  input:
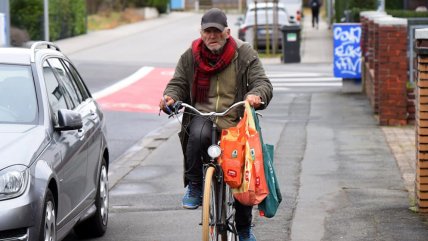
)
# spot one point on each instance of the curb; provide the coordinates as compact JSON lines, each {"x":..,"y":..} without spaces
{"x":136,"y":154}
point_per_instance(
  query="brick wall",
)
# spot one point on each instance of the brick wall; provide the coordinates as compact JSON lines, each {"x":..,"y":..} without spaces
{"x":384,"y":49}
{"x":422,"y":120}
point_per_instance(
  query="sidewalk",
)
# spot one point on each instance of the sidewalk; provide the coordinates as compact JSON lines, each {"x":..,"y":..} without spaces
{"x":400,"y":139}
{"x":317,"y":44}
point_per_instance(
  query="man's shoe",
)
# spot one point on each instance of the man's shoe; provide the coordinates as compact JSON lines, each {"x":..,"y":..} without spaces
{"x":246,"y":234}
{"x":193,"y":197}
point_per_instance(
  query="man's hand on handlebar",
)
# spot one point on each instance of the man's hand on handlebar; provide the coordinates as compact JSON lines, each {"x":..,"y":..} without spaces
{"x":165,"y":103}
{"x":254,"y":100}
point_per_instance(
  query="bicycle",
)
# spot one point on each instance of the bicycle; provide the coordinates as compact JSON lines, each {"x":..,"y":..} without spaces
{"x":218,"y":213}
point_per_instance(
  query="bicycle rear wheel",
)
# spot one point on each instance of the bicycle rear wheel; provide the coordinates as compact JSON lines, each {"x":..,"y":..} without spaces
{"x":209,"y":207}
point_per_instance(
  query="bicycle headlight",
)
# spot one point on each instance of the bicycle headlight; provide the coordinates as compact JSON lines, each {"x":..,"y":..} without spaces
{"x":13,"y":181}
{"x":214,"y":151}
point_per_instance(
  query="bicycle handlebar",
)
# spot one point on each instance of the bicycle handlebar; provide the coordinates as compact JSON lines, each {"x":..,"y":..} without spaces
{"x":180,"y":104}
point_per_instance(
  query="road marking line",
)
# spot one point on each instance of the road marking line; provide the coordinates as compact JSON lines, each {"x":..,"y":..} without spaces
{"x":305,"y":84}
{"x":287,"y":75}
{"x":139,"y":74}
{"x":318,"y":79}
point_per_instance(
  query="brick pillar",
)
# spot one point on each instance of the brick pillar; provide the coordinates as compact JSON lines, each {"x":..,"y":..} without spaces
{"x":372,"y":36}
{"x":390,"y":69}
{"x":365,"y":18}
{"x":421,"y":36}
{"x":369,"y":36}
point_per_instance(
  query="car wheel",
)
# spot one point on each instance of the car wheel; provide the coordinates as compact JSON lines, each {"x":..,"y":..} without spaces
{"x":48,"y":224}
{"x":96,"y":225}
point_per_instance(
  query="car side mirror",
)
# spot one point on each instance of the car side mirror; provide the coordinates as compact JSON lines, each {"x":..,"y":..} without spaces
{"x":69,"y":120}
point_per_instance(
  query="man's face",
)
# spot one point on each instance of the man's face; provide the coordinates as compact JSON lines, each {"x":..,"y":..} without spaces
{"x":214,"y":39}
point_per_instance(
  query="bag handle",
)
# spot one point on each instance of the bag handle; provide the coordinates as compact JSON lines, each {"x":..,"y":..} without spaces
{"x":251,"y":124}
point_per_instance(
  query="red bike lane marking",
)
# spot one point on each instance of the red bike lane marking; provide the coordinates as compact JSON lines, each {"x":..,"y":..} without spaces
{"x":142,"y":95}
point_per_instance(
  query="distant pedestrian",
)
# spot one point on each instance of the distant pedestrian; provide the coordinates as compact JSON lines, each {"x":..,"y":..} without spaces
{"x":315,"y":6}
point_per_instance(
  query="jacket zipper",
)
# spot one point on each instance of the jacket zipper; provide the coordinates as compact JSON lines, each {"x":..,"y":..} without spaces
{"x":218,"y":96}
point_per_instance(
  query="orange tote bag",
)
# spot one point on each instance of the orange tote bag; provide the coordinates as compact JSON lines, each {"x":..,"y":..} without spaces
{"x":254,"y":188}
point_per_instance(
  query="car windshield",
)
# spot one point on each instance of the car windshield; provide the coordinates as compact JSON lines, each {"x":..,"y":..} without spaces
{"x":265,"y":15}
{"x":18,"y":102}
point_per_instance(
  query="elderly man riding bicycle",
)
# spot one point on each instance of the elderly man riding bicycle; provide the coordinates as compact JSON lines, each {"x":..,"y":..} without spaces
{"x":213,"y":74}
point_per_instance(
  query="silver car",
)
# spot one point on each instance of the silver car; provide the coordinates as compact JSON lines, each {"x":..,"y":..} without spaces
{"x":269,"y":21}
{"x":53,"y":149}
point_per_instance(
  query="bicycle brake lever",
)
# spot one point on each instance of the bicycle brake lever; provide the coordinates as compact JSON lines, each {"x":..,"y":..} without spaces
{"x":177,"y":106}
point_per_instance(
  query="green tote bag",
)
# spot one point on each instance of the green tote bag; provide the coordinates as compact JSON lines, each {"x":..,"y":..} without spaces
{"x":270,"y":204}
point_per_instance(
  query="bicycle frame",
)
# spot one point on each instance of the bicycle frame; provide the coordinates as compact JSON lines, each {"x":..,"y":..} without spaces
{"x":219,"y":187}
{"x":222,"y":223}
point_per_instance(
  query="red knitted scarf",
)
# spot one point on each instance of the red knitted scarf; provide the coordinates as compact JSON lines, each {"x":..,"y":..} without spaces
{"x":207,"y":64}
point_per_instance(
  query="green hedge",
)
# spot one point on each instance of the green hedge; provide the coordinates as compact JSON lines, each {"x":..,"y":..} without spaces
{"x":406,"y":14}
{"x":339,"y":8}
{"x":355,"y":14}
{"x":394,"y":4}
{"x":28,"y":15}
{"x":160,"y":5}
{"x":367,"y":4}
{"x":66,"y":18}
{"x":354,"y":6}
{"x":95,"y":6}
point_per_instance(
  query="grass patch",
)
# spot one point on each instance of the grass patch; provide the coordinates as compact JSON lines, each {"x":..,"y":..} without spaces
{"x":109,"y":20}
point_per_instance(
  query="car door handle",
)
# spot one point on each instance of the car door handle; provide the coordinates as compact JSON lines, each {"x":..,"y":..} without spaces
{"x":81,"y":134}
{"x":93,"y":116}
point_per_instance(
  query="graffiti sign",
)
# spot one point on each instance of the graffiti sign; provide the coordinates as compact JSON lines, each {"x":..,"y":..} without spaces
{"x":347,"y":50}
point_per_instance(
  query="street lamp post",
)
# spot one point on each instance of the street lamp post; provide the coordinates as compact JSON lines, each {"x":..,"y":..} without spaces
{"x":46,"y":18}
{"x":5,"y":26}
{"x":381,"y":7}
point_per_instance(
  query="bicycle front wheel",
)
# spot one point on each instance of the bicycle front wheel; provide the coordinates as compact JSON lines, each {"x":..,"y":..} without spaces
{"x":209,"y":207}
{"x":228,"y":216}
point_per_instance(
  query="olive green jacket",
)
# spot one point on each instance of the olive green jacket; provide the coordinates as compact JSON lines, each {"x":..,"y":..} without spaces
{"x":251,"y":79}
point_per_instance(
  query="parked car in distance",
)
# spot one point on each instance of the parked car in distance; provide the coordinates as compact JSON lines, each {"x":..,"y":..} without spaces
{"x":53,"y":172}
{"x":265,"y":24}
{"x":294,"y":10}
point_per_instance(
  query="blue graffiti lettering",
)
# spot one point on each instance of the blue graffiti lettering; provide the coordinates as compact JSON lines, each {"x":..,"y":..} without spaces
{"x":351,"y":36}
{"x":347,"y":51}
{"x":347,"y":65}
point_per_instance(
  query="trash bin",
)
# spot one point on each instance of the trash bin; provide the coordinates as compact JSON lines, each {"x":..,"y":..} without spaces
{"x":291,"y":43}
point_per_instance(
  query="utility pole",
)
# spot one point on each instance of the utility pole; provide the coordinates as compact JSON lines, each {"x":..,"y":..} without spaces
{"x":275,"y":27}
{"x":255,"y":26}
{"x":329,"y":12}
{"x":381,"y":6}
{"x":5,"y":23}
{"x":267,"y":30}
{"x":46,"y":17}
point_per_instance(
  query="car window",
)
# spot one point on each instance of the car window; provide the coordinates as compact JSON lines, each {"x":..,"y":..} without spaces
{"x":56,"y":92}
{"x":78,"y":80}
{"x":66,"y":80}
{"x":18,"y":102}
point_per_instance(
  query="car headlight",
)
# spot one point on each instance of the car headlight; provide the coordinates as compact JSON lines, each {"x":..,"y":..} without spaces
{"x":13,"y":181}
